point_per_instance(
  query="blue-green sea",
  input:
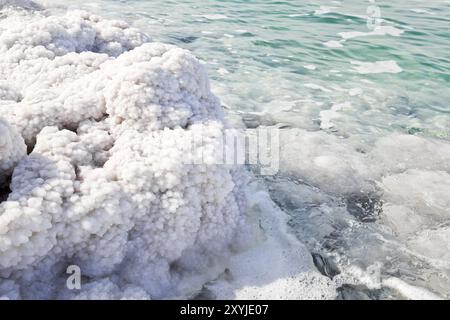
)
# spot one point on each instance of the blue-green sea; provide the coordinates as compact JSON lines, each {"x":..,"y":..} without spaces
{"x":274,"y":57}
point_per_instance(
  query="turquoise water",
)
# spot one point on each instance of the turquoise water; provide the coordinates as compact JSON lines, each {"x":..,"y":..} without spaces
{"x":260,"y":55}
{"x":319,"y":67}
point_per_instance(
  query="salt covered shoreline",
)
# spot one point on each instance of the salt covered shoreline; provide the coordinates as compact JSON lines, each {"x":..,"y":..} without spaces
{"x":94,"y":95}
{"x":90,"y":105}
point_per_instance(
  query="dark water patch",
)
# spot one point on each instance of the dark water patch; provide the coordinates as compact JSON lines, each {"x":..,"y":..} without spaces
{"x":334,"y":241}
{"x":184,"y":39}
{"x":401,"y":105}
{"x":284,"y":3}
{"x":277,"y":43}
{"x":331,"y":18}
{"x":246,"y":34}
{"x":364,"y":207}
{"x":300,"y":71}
{"x":416,"y":33}
{"x":277,"y":28}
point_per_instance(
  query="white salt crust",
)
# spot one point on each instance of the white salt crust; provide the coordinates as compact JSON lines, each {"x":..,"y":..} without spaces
{"x":104,"y":188}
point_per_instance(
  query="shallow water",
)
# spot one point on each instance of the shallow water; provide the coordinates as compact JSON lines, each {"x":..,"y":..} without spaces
{"x":365,"y":174}
{"x":274,"y":57}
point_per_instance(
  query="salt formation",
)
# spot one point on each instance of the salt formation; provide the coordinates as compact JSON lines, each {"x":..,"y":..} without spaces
{"x":104,"y":113}
{"x":343,"y":185}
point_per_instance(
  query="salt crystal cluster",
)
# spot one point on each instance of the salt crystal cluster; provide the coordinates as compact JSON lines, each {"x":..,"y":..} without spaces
{"x":104,"y":112}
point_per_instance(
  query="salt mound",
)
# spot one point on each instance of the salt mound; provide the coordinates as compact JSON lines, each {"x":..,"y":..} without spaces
{"x":104,"y":187}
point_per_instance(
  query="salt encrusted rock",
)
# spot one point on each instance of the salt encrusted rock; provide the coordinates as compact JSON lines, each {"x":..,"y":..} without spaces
{"x":106,"y":187}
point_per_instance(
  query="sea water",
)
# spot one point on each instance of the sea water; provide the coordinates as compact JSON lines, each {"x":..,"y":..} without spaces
{"x":361,"y":90}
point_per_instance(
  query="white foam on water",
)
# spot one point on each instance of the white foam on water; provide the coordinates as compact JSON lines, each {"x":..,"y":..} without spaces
{"x":389,"y":66}
{"x":324,"y":10}
{"x":409,"y":291}
{"x":327,"y":116}
{"x":223,"y":71}
{"x":378,"y":31}
{"x":297,"y":15}
{"x":418,"y":10}
{"x":215,"y":16}
{"x":355,"y":92}
{"x":316,"y":87}
{"x":333,"y":44}
{"x":310,"y":67}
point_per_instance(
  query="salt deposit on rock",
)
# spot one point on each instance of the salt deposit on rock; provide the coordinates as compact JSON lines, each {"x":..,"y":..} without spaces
{"x":104,"y":188}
